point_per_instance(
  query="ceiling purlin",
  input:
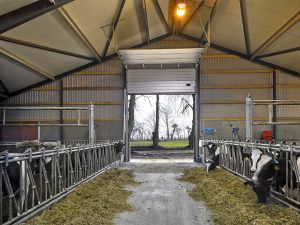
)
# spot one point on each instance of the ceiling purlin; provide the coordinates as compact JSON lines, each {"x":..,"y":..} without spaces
{"x":279,"y":52}
{"x":161,"y":16}
{"x":26,"y":64}
{"x":245,"y":26}
{"x":32,"y":45}
{"x":29,"y":12}
{"x":141,"y":11}
{"x":171,"y":19}
{"x":191,"y":17}
{"x":276,"y":35}
{"x":113,"y":27}
{"x":66,"y":16}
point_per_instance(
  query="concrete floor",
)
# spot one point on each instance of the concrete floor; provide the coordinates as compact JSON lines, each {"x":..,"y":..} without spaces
{"x":160,"y":199}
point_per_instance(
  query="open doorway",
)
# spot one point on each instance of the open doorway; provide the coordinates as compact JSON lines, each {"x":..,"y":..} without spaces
{"x":161,"y":126}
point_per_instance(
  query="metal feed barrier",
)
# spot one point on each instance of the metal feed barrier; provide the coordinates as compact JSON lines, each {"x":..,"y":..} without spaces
{"x":48,"y":175}
{"x":232,"y":161}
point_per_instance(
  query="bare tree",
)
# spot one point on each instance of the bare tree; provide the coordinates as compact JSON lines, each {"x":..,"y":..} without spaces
{"x":178,"y":132}
{"x":174,"y":126}
{"x":131,"y":109}
{"x":166,"y":113}
{"x":156,"y":129}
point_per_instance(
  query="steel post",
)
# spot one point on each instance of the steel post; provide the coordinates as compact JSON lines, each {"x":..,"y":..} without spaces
{"x":91,"y":125}
{"x":197,"y":113}
{"x":249,"y":118}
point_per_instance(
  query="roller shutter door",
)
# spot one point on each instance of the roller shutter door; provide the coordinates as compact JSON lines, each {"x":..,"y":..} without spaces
{"x":161,"y":81}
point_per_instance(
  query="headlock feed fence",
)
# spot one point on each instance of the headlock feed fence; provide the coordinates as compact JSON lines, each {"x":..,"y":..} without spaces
{"x":42,"y":177}
{"x":231,"y":160}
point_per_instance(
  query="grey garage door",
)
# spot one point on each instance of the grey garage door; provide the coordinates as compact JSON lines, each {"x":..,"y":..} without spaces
{"x":161,"y":81}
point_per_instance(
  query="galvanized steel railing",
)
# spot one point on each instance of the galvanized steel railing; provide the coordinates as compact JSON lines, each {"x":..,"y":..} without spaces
{"x":49,"y":175}
{"x":231,"y":159}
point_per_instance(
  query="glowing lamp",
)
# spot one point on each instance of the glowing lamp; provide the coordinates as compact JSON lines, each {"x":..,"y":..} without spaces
{"x":181,"y":9}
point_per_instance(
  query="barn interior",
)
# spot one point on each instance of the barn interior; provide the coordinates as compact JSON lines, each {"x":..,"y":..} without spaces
{"x":68,"y":67}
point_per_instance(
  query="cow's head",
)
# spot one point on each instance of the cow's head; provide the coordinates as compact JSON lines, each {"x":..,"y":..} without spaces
{"x":213,"y":156}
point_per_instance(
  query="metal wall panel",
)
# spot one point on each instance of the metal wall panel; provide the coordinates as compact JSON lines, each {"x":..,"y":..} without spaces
{"x":152,"y":81}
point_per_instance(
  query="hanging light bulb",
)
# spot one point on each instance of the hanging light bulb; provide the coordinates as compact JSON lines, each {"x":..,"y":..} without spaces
{"x":181,"y":9}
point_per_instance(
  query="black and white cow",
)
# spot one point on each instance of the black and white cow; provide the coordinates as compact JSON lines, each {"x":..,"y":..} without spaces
{"x":18,"y":179}
{"x":213,"y":156}
{"x":266,"y":169}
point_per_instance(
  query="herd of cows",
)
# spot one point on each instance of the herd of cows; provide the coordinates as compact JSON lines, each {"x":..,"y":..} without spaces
{"x":16,"y":177}
{"x":267,"y":168}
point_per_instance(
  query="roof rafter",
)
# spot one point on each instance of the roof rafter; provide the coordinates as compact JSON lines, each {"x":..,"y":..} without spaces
{"x":210,"y":18}
{"x":22,"y":15}
{"x":229,"y":51}
{"x":66,"y":16}
{"x":171,"y":18}
{"x":141,"y":12}
{"x":114,"y":25}
{"x":32,"y":45}
{"x":84,"y":67}
{"x":279,"y":52}
{"x":191,"y":17}
{"x":23,"y":62}
{"x":245,"y":25}
{"x":161,"y":15}
{"x":276,"y":35}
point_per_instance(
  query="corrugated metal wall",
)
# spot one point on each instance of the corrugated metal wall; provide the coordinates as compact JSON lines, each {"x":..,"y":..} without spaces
{"x":101,"y":84}
{"x":226,"y":80}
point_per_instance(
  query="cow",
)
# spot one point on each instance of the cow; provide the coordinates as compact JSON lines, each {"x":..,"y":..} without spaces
{"x":266,"y":169}
{"x":213,"y":156}
{"x":119,"y":147}
{"x":18,"y":181}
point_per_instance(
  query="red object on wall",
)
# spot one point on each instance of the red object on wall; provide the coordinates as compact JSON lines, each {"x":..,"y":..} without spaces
{"x":19,"y":133}
{"x":267,"y":135}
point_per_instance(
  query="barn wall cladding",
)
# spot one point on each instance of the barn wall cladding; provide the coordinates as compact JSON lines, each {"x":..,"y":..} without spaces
{"x":225,"y":81}
{"x":101,"y":84}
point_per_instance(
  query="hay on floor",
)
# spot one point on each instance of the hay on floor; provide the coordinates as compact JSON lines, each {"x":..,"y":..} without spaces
{"x":231,"y":202}
{"x":96,"y":202}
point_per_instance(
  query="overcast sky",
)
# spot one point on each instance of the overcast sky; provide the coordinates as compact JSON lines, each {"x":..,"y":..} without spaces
{"x":145,"y":109}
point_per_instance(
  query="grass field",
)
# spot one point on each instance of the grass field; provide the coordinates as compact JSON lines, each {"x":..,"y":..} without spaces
{"x":165,"y":144}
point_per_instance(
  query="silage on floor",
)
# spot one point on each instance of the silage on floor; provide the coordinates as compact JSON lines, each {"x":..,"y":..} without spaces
{"x":231,"y":202}
{"x":96,"y":202}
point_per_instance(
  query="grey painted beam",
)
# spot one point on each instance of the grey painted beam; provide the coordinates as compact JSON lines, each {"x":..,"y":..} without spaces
{"x":280,"y":52}
{"x":191,"y":17}
{"x":141,"y":11}
{"x":66,"y":16}
{"x":229,"y":51}
{"x":276,"y":35}
{"x":211,"y":16}
{"x":245,"y":25}
{"x":26,"y":64}
{"x":115,"y":24}
{"x":32,"y":45}
{"x":161,"y":16}
{"x":29,"y":12}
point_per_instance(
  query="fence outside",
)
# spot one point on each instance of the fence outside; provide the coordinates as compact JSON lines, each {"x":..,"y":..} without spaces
{"x":47,"y":175}
{"x":231,"y":160}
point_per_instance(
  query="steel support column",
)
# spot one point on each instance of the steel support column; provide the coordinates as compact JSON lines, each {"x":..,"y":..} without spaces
{"x":125,"y":135}
{"x":91,"y":125}
{"x":61,"y":112}
{"x":197,"y":113}
{"x":274,"y":97}
{"x":249,"y":118}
